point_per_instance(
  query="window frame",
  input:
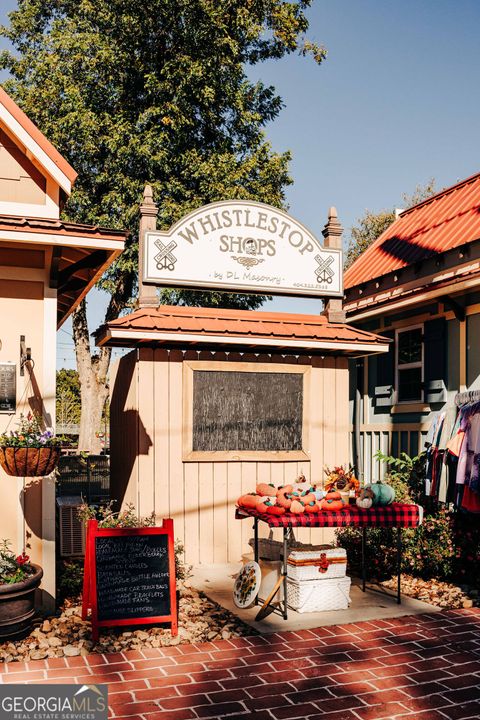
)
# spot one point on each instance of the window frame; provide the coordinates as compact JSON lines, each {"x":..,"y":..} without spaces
{"x":190,"y":455}
{"x":409,"y":366}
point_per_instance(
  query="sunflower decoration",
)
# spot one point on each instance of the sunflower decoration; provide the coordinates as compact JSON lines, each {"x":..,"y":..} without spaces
{"x":341,"y":479}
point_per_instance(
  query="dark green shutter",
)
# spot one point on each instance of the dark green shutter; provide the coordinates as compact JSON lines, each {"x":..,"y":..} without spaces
{"x":435,"y":360}
{"x":385,"y":377}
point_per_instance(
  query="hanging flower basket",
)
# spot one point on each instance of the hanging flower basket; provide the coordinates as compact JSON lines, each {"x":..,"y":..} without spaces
{"x":29,"y":462}
{"x":29,"y":451}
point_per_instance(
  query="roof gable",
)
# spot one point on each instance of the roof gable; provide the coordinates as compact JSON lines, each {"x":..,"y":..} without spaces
{"x":30,"y":137}
{"x":445,"y":221}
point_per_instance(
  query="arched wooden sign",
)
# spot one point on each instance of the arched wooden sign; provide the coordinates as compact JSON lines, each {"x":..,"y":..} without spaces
{"x":242,"y":246}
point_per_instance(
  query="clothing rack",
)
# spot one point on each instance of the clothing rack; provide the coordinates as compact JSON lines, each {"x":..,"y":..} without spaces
{"x":470,"y":396}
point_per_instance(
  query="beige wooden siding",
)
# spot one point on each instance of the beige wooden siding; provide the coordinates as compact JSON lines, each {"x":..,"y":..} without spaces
{"x":147,"y":466}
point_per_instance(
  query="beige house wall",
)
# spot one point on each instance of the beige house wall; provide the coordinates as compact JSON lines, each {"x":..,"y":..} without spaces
{"x":28,"y":307}
{"x":147,"y":465}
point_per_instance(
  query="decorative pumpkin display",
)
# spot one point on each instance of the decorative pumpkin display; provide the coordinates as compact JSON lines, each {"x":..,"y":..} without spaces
{"x":342,"y":479}
{"x":266,"y":490}
{"x":275,"y":510}
{"x":297,"y":507}
{"x":332,"y":501}
{"x":250,"y":500}
{"x":365,"y":499}
{"x":265,"y":503}
{"x":312,"y":507}
{"x":283,"y":497}
{"x":319,"y":494}
{"x":383,"y":494}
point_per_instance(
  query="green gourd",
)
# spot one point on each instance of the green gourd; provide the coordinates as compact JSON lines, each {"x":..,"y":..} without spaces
{"x":383,"y":494}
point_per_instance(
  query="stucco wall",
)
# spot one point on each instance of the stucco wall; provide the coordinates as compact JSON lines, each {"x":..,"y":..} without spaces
{"x":148,"y":470}
{"x":27,"y":514}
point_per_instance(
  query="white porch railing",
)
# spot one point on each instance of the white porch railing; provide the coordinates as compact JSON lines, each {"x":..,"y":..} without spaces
{"x":390,"y":440}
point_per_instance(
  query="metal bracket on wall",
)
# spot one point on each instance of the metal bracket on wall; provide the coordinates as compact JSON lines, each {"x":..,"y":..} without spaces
{"x":25,"y":354}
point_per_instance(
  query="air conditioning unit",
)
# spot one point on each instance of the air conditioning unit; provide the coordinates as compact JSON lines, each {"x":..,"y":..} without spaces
{"x":70,"y":529}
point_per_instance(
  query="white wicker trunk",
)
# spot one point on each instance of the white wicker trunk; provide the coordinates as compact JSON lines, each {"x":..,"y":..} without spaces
{"x":306,"y":564}
{"x":319,"y":595}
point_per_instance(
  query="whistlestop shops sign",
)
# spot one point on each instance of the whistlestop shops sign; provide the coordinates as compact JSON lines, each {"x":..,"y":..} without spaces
{"x":245,"y":247}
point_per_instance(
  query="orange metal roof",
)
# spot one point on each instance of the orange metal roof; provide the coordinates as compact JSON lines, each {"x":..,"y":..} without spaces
{"x":243,"y":327}
{"x":59,"y":227}
{"x":445,"y":221}
{"x":38,"y":136}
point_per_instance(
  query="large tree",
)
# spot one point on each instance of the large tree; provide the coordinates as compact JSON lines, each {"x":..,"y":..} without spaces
{"x":372,"y":224}
{"x":135,"y":92}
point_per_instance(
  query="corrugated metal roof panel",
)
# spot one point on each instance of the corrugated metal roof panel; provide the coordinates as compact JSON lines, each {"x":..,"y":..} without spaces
{"x":445,"y":221}
{"x":241,"y":324}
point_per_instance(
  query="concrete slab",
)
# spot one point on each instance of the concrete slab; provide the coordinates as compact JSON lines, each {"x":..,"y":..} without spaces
{"x":216,"y":581}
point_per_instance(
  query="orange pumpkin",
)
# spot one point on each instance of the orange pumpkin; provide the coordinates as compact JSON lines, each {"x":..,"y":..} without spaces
{"x":250,"y":500}
{"x":283,"y":497}
{"x":312,"y":507}
{"x":275,"y":510}
{"x":332,"y":501}
{"x":267,"y":490}
{"x":297,"y":507}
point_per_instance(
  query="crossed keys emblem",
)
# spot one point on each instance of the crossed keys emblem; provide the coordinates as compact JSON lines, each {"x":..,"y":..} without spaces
{"x":324,"y":272}
{"x":165,"y":259}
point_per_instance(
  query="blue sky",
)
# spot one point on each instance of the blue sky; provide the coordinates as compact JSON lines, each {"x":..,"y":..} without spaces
{"x":395,"y":103}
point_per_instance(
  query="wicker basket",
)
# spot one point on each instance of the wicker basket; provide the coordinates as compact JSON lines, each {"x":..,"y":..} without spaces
{"x":308,"y":565}
{"x":270,"y":549}
{"x":29,"y":461}
{"x":319,"y":595}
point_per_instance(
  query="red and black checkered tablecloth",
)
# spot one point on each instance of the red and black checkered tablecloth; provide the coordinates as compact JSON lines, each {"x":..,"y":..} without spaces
{"x":390,"y":516}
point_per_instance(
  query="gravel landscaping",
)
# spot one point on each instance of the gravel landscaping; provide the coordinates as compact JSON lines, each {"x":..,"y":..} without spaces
{"x":442,"y":594}
{"x":67,"y":635}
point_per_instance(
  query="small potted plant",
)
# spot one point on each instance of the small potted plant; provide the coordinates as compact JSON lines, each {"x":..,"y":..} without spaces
{"x":342,"y":480}
{"x":19,"y":578}
{"x":30,"y":451}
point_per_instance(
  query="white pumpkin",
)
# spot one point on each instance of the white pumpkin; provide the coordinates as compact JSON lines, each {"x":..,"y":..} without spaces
{"x":365,"y":499}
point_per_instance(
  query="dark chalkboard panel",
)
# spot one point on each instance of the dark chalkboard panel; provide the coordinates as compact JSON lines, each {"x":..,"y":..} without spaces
{"x":260,"y":411}
{"x":133,"y":579}
{"x":8,"y":387}
{"x":129,"y":576}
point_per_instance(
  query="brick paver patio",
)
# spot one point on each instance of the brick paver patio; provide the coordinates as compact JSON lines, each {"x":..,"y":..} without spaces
{"x":424,"y":666}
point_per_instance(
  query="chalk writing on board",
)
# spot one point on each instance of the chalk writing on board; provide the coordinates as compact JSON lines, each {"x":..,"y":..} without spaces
{"x":133,"y":578}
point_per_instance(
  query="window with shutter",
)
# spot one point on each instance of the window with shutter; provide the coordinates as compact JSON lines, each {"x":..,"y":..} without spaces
{"x":409,"y":357}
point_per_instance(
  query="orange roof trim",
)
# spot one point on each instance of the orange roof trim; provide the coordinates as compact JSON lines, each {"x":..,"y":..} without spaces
{"x":447,"y":220}
{"x":37,"y":136}
{"x":172,"y":324}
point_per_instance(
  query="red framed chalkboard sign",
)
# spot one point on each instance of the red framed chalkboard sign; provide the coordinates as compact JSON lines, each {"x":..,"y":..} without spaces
{"x":129,"y":577}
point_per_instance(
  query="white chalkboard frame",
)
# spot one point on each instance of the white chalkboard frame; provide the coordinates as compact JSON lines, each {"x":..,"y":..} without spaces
{"x":190,"y":455}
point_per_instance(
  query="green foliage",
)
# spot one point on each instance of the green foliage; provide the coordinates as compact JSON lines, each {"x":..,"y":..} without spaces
{"x":31,"y":434}
{"x":406,"y":475}
{"x":369,"y":228}
{"x":69,"y":579}
{"x":155,"y":92}
{"x":107,"y":518}
{"x":68,"y":402}
{"x":13,"y":568}
{"x":428,"y":551}
{"x":182,"y":571}
{"x":372,"y":224}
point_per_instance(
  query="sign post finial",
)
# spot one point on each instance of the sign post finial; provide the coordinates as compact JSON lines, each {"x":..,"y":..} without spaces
{"x":147,"y":296}
{"x":332,"y":233}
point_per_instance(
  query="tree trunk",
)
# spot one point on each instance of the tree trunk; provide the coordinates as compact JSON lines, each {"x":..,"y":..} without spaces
{"x":93,"y":368}
{"x":92,"y":373}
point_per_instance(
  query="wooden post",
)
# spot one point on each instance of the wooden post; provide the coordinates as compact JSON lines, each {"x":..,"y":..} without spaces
{"x":147,"y":295}
{"x":332,"y":233}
